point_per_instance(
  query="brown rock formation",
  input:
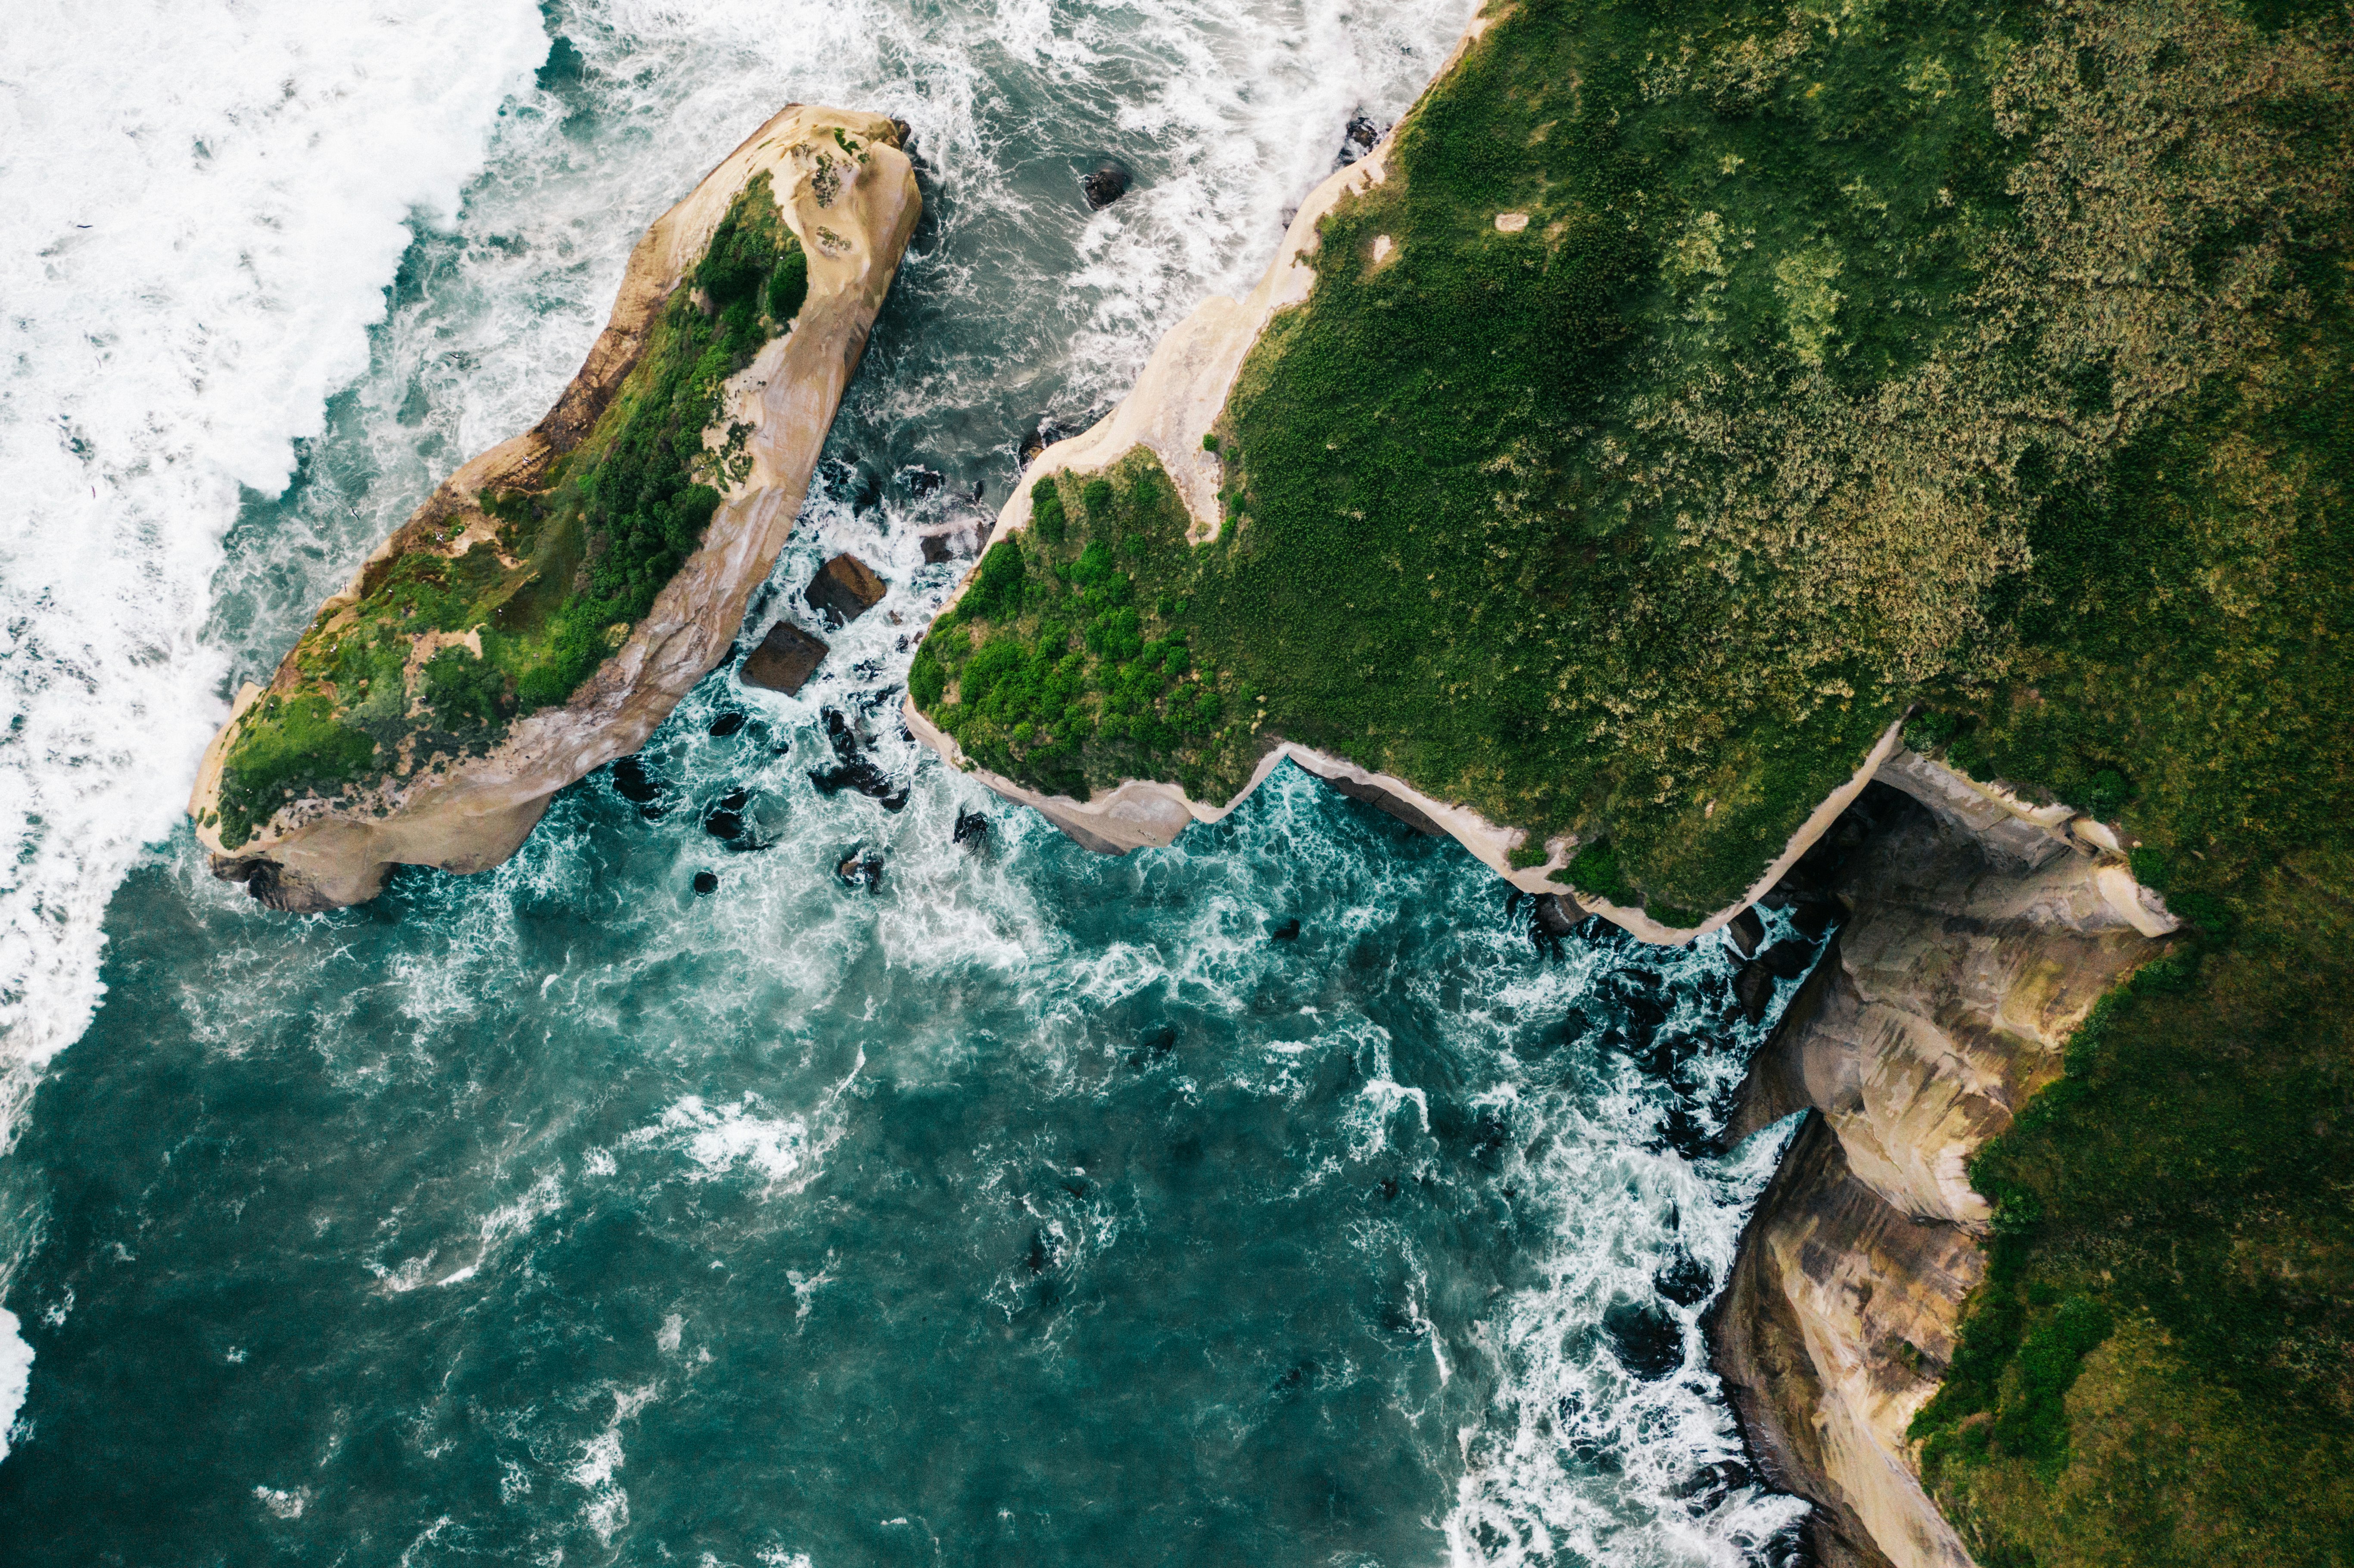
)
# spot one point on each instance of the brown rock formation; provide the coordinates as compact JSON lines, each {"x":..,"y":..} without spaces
{"x":472,"y":815}
{"x":844,"y":589}
{"x":785,"y":660}
{"x":1943,"y":1006}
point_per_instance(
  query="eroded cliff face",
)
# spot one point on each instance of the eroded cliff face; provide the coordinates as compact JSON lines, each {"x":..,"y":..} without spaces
{"x":1978,"y":939}
{"x":848,"y":194}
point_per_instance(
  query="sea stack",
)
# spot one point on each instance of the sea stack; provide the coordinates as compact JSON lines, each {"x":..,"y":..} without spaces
{"x":547,"y":605}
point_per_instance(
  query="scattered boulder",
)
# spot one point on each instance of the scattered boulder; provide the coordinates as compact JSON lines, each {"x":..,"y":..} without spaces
{"x":1047,"y":431}
{"x":785,"y":660}
{"x":705,"y":882}
{"x":725,"y":817}
{"x":1647,"y":1339}
{"x":1105,"y":184}
{"x":1685,"y":1281}
{"x":641,"y":789}
{"x":1553,"y":919}
{"x":922,"y":481}
{"x":853,"y":771}
{"x":947,"y":545}
{"x":1359,"y":139}
{"x":860,"y":868}
{"x":1558,"y":915}
{"x":1745,"y":931}
{"x":1710,"y":1484}
{"x":1753,"y":990}
{"x":844,"y":589}
{"x":1788,"y":958}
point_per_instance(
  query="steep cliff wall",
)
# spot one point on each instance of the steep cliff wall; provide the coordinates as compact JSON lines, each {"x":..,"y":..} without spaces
{"x":847,"y":194}
{"x":1974,"y":948}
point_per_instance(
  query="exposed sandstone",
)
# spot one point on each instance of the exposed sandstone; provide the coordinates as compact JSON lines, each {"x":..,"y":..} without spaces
{"x":472,"y":814}
{"x":785,"y":660}
{"x":1944,"y":1005}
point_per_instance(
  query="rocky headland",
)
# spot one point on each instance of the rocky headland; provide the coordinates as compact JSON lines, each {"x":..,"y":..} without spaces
{"x":550,"y":603}
{"x":1897,"y":664}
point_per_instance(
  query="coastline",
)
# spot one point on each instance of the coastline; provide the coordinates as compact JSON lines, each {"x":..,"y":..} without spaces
{"x":469,"y":814}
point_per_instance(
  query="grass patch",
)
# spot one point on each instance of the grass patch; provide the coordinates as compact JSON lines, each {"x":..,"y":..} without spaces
{"x":1085,"y":652}
{"x":1641,"y":522}
{"x":2181,"y":669}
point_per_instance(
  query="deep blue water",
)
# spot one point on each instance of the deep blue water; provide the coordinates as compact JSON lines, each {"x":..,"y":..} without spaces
{"x":1033,"y":1207}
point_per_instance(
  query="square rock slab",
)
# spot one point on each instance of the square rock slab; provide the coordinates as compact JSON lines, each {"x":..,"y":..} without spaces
{"x":844,"y":589}
{"x":785,"y":660}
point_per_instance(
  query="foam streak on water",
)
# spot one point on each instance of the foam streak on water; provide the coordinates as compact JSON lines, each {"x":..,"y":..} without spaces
{"x":1034,"y":1208}
{"x":204,"y":202}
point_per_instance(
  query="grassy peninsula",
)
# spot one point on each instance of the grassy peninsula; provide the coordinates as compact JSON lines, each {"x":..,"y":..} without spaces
{"x":507,"y":610}
{"x":1688,"y":399}
{"x":1708,"y":384}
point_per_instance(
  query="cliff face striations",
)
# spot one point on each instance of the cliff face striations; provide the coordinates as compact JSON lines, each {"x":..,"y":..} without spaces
{"x":1972,"y":953}
{"x":552,"y":600}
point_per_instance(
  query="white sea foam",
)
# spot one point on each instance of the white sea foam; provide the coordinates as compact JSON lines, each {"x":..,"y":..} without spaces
{"x":202,"y":205}
{"x":15,"y":1373}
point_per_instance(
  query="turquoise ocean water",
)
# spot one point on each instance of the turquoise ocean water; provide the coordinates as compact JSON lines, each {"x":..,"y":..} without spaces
{"x":1028,"y":1207}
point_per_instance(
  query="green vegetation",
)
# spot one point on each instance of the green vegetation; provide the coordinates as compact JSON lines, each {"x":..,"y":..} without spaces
{"x":1641,"y":520}
{"x":547,"y":583}
{"x":1056,"y":667}
{"x":1995,"y":358}
{"x":2159,"y":1368}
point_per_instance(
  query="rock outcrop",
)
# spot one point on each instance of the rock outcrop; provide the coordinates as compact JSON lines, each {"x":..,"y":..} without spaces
{"x":1973,"y":949}
{"x":848,"y":194}
{"x":785,"y":660}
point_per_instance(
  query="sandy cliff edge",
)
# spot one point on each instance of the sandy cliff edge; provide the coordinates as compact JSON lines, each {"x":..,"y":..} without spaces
{"x":1943,"y":1004}
{"x":1176,"y":401}
{"x":476,"y":812}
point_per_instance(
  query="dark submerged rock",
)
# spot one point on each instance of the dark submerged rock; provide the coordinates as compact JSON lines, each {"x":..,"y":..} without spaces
{"x":844,"y":589}
{"x":1288,"y":931}
{"x":785,"y":660}
{"x":725,"y":817}
{"x":971,"y":828}
{"x":1160,"y":1041}
{"x":853,"y":770}
{"x":1105,"y":184}
{"x":1710,"y":1484}
{"x":1753,"y":990}
{"x":1788,"y":958}
{"x":728,"y":724}
{"x":705,"y":882}
{"x":1686,"y":1281}
{"x":861,"y":870}
{"x":1646,"y":1340}
{"x":634,"y":782}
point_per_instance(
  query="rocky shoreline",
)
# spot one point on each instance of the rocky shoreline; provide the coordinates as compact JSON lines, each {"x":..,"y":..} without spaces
{"x":1977,"y":939}
{"x":469,"y":813}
